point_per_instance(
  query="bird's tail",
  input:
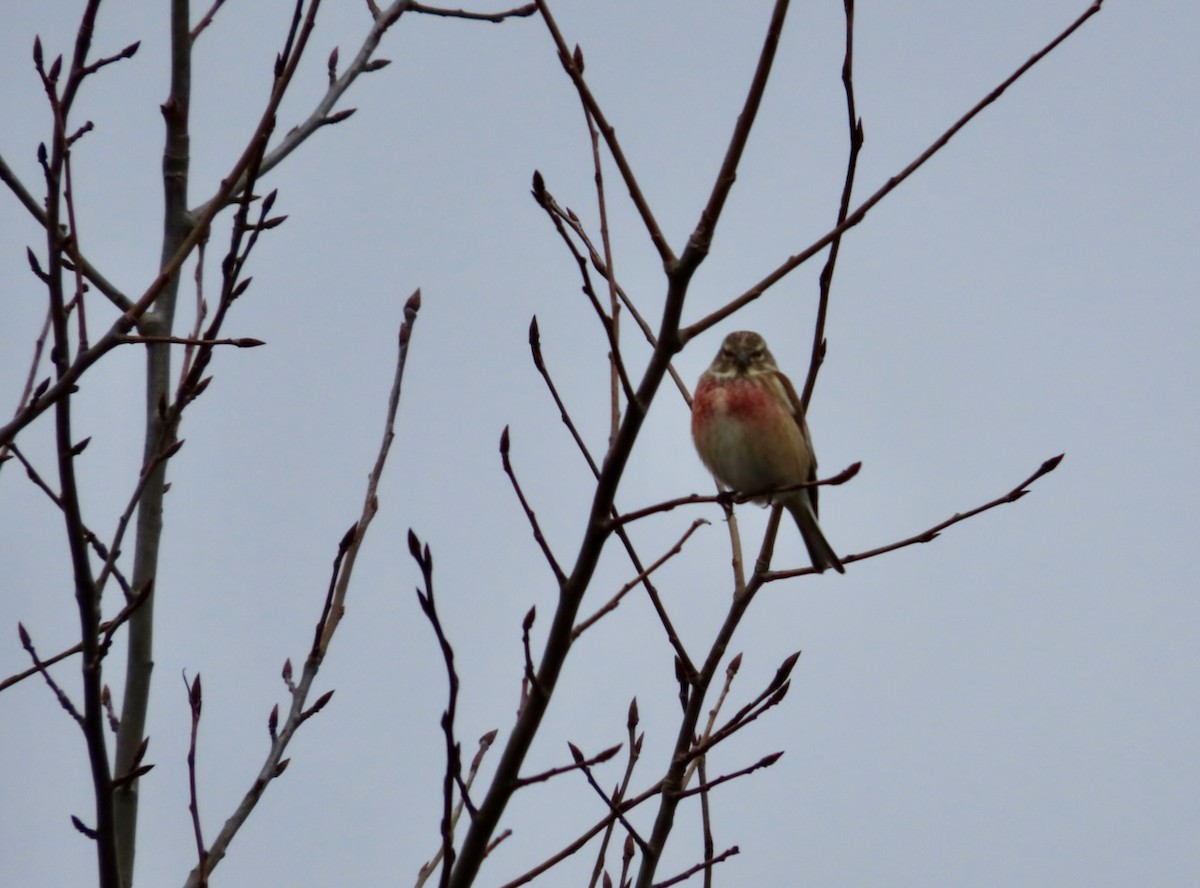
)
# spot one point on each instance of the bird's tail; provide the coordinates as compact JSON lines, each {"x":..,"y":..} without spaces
{"x":819,"y":550}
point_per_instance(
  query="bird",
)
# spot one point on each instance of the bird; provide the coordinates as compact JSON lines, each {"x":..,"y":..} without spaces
{"x":750,"y":432}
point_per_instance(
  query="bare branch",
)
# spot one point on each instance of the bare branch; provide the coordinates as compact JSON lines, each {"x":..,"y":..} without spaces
{"x":496,"y":17}
{"x":63,"y":700}
{"x":424,"y":560}
{"x":332,"y":611}
{"x":205,"y":20}
{"x":612,"y":603}
{"x":859,"y":213}
{"x":726,"y":497}
{"x":826,"y":279}
{"x":575,"y":72}
{"x":706,"y":865}
{"x":579,"y":764}
{"x":529,"y":513}
{"x":195,"y":699}
{"x":929,"y":535}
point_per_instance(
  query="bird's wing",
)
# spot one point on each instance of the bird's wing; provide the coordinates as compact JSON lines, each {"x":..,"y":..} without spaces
{"x":798,"y":414}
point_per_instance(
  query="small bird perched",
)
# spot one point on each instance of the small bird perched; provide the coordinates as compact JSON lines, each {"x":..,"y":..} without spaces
{"x":750,"y":432}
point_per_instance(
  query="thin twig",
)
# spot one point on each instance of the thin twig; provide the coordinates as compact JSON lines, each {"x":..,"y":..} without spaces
{"x":496,"y":17}
{"x":63,"y":700}
{"x":635,"y":751}
{"x":706,"y":865}
{"x":485,"y":743}
{"x":932,"y":533}
{"x":765,"y":762}
{"x":332,"y":611}
{"x":540,"y":537}
{"x":655,"y":600}
{"x":195,"y":699}
{"x":727,"y":496}
{"x":826,"y":279}
{"x":579,"y":764}
{"x":570,"y":220}
{"x":206,"y":19}
{"x":106,"y":629}
{"x":859,"y":213}
{"x":612,"y":804}
{"x":612,"y":603}
{"x":239,"y":342}
{"x":451,"y":778}
{"x":573,"y":70}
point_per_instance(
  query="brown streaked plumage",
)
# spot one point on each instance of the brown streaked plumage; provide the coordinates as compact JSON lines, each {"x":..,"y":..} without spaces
{"x":751,"y":434}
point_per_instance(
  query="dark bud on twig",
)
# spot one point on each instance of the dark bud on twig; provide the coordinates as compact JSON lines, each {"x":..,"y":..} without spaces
{"x":332,"y":66}
{"x":37,"y":52}
{"x":41,"y":388}
{"x":767,"y":760}
{"x":504,"y":442}
{"x":539,"y":188}
{"x":241,"y":288}
{"x":130,"y":51}
{"x":535,"y":345}
{"x":79,"y":825}
{"x":316,"y":707}
{"x":87,"y":127}
{"x":575,"y":753}
{"x":23,"y":634}
{"x":376,"y":64}
{"x":527,"y":623}
{"x":413,"y":304}
{"x":141,"y":751}
{"x":287,"y":672}
{"x":41,"y":153}
{"x":273,"y":222}
{"x":414,"y":545}
{"x":36,"y":267}
{"x":273,"y":721}
{"x":1049,"y":465}
{"x":577,"y":58}
{"x":281,"y":767}
{"x":734,"y":665}
{"x":134,"y":774}
{"x":781,"y":675}
{"x":55,"y":70}
{"x":174,"y":449}
{"x":339,"y":116}
{"x":248,"y":342}
{"x":81,"y":446}
{"x":606,"y":754}
{"x":632,"y":721}
{"x":195,"y":697}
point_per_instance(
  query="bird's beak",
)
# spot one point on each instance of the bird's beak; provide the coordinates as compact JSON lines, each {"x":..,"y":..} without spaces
{"x":741,"y":358}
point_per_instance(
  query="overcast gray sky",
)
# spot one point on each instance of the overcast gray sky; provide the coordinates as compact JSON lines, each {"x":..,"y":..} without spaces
{"x":1014,"y":704}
